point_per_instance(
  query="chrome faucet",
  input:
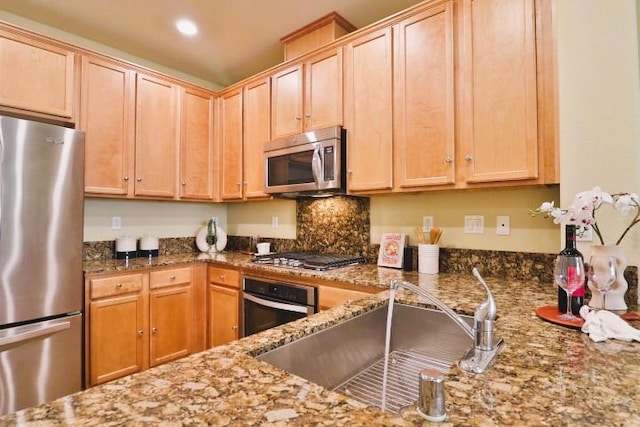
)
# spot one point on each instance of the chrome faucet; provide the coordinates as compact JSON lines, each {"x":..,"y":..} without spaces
{"x":485,"y":346}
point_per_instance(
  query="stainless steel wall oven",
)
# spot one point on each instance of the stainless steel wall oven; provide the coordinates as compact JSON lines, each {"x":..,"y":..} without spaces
{"x":269,"y":303}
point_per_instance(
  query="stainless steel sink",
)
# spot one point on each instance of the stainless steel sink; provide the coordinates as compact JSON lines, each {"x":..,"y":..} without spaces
{"x":349,"y":357}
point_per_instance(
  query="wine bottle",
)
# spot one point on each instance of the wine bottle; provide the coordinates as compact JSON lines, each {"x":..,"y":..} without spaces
{"x":570,"y":249}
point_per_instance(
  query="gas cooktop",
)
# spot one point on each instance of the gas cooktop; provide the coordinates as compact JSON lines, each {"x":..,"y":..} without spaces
{"x":310,"y":260}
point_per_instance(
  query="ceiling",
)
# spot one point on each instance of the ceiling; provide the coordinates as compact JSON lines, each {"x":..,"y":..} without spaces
{"x":236,"y":38}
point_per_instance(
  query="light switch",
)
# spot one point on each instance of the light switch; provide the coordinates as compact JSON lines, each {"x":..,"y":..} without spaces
{"x":474,"y":224}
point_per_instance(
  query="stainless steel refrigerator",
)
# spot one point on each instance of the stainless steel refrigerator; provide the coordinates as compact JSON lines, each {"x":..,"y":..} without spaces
{"x":41,"y":226}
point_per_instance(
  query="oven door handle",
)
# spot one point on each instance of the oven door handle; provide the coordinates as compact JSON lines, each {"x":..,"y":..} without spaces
{"x":277,"y":305}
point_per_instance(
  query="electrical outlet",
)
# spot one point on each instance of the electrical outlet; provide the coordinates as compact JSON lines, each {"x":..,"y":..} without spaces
{"x":474,"y":224}
{"x":427,"y":223}
{"x":584,"y":234}
{"x":502,"y":225}
{"x":274,"y":222}
{"x":116,"y":223}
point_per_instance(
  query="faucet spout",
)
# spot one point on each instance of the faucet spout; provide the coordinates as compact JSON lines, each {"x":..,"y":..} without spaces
{"x":396,"y":283}
{"x":485,"y":348}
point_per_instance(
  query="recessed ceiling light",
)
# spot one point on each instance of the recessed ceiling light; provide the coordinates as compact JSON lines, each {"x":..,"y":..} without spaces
{"x":186,"y":27}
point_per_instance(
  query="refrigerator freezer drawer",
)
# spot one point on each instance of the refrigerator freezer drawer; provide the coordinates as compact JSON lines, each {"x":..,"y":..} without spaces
{"x":40,"y":362}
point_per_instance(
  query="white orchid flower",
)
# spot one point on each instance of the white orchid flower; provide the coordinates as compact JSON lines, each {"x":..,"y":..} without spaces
{"x":582,"y":211}
{"x":546,"y":207}
{"x":559,"y":216}
{"x":595,"y":197}
{"x":627,"y":203}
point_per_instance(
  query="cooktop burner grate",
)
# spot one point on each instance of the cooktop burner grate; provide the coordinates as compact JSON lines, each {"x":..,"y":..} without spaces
{"x":310,"y":260}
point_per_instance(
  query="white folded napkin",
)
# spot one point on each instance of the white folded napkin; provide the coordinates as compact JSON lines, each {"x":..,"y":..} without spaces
{"x":603,"y":324}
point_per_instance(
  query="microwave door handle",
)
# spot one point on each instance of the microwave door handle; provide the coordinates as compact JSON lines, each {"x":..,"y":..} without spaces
{"x":316,"y":164}
{"x":276,"y":305}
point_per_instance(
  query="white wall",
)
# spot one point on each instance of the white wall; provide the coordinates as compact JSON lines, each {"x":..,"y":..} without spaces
{"x":139,"y":218}
{"x":599,"y":102}
{"x":402,"y":213}
{"x":256,"y":218}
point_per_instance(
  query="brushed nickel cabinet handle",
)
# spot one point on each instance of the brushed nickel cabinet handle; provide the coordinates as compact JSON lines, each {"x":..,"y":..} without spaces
{"x":448,"y":159}
{"x":184,"y":183}
{"x":468,"y":157}
{"x":154,"y":330}
{"x":173,"y":277}
{"x":139,"y":179}
{"x":126,"y":178}
{"x":140,"y":332}
{"x":119,"y":286}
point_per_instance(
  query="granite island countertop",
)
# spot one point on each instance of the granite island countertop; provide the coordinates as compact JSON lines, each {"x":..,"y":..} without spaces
{"x":546,"y":375}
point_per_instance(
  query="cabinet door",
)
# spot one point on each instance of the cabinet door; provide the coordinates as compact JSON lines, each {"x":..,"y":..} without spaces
{"x":424,"y":99}
{"x":196,"y":145}
{"x":257,"y":131}
{"x":231,"y":145}
{"x":156,"y":137}
{"x":224,"y":308}
{"x":36,"y":76}
{"x":499,"y":68}
{"x":323,"y":90}
{"x":170,"y":324}
{"x":286,"y":105}
{"x":107,"y":117}
{"x":117,"y":337}
{"x":368,"y":111}
{"x":329,"y":297}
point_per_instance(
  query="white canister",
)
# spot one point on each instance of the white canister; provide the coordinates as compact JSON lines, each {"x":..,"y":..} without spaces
{"x":148,"y":246}
{"x":428,"y":259}
{"x":126,"y":247}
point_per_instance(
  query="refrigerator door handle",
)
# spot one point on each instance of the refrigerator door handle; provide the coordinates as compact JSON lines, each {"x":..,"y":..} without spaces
{"x":34,"y":333}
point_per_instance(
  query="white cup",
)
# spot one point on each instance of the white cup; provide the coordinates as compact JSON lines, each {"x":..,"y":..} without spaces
{"x":264,"y":247}
{"x":428,"y":259}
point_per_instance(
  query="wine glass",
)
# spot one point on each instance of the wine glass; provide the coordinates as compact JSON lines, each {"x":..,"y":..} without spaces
{"x":569,"y":274}
{"x":602,"y":273}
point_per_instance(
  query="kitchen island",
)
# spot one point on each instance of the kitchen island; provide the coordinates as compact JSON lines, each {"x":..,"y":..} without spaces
{"x":546,"y":375}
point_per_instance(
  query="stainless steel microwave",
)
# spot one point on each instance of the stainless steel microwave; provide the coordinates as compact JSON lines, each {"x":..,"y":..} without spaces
{"x":308,"y":164}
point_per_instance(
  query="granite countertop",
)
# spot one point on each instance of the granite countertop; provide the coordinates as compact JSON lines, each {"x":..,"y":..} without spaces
{"x":546,"y":375}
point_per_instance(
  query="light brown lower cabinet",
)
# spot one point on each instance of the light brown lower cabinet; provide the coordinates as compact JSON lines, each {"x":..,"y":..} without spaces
{"x":329,"y":297}
{"x":139,"y":320}
{"x":225,"y":297}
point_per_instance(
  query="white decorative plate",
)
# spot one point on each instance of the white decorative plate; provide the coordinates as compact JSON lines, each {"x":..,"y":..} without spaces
{"x":201,"y":240}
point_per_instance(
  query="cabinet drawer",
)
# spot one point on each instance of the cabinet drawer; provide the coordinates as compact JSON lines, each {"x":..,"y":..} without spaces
{"x":223,"y":276}
{"x":109,"y":286}
{"x":173,"y":277}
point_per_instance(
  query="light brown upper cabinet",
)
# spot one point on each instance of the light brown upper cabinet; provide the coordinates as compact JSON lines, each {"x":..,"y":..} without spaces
{"x":243,"y":128}
{"x":107,"y":116}
{"x":499,"y":103}
{"x":308,"y":95}
{"x":196,"y":145}
{"x":423,"y":105}
{"x":257,"y":131}
{"x":368,"y":111}
{"x":230,"y":137}
{"x":36,"y":76}
{"x":156,"y":137}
